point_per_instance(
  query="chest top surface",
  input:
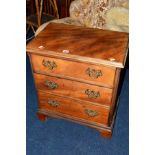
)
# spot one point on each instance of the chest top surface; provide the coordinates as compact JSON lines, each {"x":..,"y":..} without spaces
{"x":83,"y":44}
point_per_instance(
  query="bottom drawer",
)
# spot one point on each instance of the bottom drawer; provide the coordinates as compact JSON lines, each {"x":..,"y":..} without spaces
{"x":79,"y":109}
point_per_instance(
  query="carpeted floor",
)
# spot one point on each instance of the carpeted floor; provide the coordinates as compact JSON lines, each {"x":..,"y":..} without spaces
{"x":60,"y":137}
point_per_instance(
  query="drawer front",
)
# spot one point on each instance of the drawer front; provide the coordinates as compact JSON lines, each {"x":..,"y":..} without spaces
{"x":89,"y":112}
{"x":73,"y":89}
{"x":81,"y":71}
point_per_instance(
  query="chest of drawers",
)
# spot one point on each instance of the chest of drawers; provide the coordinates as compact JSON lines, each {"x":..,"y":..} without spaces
{"x":76,"y":72}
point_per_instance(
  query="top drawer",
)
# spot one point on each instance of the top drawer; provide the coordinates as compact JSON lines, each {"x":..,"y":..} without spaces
{"x":81,"y":71}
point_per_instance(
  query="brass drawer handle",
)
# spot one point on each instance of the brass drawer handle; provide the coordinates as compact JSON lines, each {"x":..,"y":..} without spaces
{"x":51,"y":84}
{"x":92,"y":94}
{"x":94,"y":73}
{"x":49,"y":64}
{"x":53,"y":103}
{"x":91,"y":113}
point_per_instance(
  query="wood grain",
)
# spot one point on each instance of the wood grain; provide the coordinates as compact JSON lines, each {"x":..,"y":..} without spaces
{"x":76,"y":70}
{"x":105,"y":131}
{"x":73,"y":89}
{"x":114,"y":96}
{"x":73,"y":108}
{"x":85,"y":44}
{"x":62,"y":57}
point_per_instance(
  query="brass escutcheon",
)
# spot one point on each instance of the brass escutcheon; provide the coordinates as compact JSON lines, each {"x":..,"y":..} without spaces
{"x":91,"y":113}
{"x":49,"y":64}
{"x":53,"y":103}
{"x":51,"y":84}
{"x":92,"y":94}
{"x":94,"y":73}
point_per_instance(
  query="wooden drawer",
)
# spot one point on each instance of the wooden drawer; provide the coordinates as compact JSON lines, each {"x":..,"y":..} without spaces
{"x":73,"y":108}
{"x":73,"y":89}
{"x":81,"y":71}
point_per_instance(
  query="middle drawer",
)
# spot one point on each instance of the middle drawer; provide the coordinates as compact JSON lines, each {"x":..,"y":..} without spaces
{"x":73,"y":89}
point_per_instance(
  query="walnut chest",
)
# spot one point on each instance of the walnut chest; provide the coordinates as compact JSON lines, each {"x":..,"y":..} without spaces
{"x":76,"y":72}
